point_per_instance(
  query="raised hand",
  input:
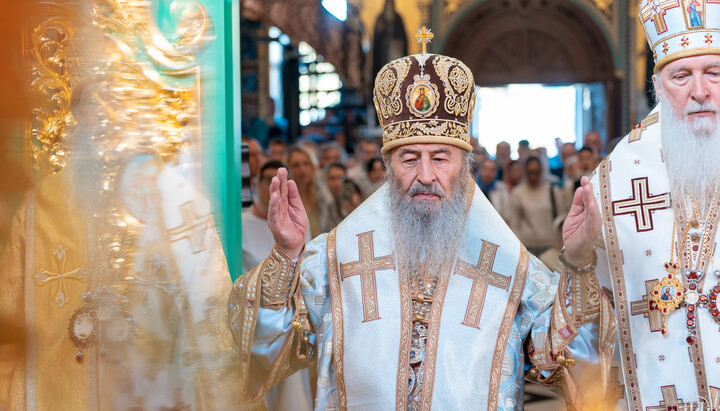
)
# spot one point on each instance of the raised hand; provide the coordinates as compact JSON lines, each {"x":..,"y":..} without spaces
{"x":287,"y":219}
{"x":582,"y":225}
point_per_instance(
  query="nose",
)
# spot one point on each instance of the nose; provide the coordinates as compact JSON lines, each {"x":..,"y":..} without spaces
{"x":700,"y":90}
{"x":426,"y":173}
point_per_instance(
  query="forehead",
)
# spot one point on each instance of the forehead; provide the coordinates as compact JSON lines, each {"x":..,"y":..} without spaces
{"x":426,"y":148}
{"x":270,"y":172}
{"x":700,"y":62}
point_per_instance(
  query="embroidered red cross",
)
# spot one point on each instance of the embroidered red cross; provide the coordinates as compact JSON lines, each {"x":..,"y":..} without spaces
{"x":641,"y":204}
{"x":708,"y":39}
{"x":684,"y":42}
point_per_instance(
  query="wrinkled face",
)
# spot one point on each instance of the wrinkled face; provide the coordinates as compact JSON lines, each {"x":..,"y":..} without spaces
{"x":334,"y":180}
{"x":427,"y":172}
{"x":301,"y":167}
{"x":488,"y":172}
{"x":329,"y":156}
{"x":691,"y":86}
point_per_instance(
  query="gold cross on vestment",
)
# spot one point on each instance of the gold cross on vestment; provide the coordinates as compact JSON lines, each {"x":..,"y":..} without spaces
{"x":482,"y":276}
{"x":648,"y":308}
{"x":424,"y":36}
{"x":193,"y":228}
{"x":156,"y":268}
{"x":670,"y":400}
{"x":365,"y":267}
{"x":655,"y":10}
{"x":43,"y":277}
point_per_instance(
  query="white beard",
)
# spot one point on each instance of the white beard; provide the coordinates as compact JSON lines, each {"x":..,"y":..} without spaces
{"x":428,"y":233}
{"x":691,"y":150}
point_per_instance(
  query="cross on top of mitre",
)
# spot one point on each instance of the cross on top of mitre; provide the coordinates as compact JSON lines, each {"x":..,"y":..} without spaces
{"x":424,"y":36}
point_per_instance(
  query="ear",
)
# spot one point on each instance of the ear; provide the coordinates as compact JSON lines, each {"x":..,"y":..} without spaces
{"x":657,"y":84}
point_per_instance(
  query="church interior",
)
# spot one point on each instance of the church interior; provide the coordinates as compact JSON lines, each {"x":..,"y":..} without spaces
{"x":217,"y":90}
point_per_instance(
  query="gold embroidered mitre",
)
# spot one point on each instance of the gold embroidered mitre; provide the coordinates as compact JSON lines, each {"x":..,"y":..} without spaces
{"x":425,"y":98}
{"x":680,"y":28}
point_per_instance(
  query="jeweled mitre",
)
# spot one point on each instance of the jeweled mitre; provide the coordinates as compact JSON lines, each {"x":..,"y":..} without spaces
{"x":425,"y":98}
{"x":680,"y":28}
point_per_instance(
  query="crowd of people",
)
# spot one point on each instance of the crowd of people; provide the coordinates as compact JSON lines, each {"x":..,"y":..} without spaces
{"x":530,"y":190}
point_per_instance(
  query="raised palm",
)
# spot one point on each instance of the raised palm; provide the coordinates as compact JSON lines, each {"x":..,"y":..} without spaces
{"x":582,"y":225}
{"x":287,"y":219}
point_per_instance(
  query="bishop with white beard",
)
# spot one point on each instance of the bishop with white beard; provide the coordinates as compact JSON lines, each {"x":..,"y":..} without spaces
{"x":658,"y":193}
{"x":421,"y":298}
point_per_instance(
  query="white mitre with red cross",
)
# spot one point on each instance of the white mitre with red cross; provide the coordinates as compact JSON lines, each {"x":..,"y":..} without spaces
{"x":680,"y":28}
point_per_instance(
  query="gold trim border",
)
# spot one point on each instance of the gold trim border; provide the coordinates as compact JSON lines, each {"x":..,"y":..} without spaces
{"x":621,"y":304}
{"x":337,"y":319}
{"x":401,"y":390}
{"x":506,"y":327}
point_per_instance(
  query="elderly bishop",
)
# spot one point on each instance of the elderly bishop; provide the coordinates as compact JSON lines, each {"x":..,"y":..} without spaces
{"x":659,"y":195}
{"x":422,"y":298}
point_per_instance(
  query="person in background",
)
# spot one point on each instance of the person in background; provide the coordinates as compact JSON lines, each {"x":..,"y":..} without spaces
{"x":523,"y":151}
{"x":365,"y":150}
{"x":514,"y":174}
{"x":277,"y":149}
{"x":331,"y":152}
{"x":587,"y":160}
{"x":502,"y":158}
{"x":495,"y":190}
{"x":256,"y":157}
{"x":292,"y":393}
{"x":376,"y":172}
{"x":594,"y":141}
{"x":535,"y":208}
{"x":315,"y":197}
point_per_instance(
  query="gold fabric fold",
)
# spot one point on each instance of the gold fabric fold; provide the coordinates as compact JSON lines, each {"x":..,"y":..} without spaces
{"x":277,"y":271}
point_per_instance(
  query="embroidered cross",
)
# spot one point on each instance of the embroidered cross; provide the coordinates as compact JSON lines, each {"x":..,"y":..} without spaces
{"x":615,"y":391}
{"x":714,"y":398}
{"x":708,"y":39}
{"x":156,"y":268}
{"x":684,"y":41}
{"x":671,"y":401}
{"x":43,"y":277}
{"x":648,"y":308}
{"x":424,"y":36}
{"x":655,"y":10}
{"x":193,"y":228}
{"x":642,"y":204}
{"x":637,"y":131}
{"x":482,"y":276}
{"x":366,"y":267}
{"x":666,"y":48}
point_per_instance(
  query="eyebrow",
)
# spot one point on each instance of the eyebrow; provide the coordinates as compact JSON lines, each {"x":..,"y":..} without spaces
{"x":405,"y":151}
{"x":686,"y":68}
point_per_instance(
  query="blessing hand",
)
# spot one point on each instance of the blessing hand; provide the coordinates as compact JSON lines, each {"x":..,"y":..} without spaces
{"x":582,"y":225}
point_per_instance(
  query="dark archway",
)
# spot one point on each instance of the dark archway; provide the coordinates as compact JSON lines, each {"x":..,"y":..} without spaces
{"x":530,"y":41}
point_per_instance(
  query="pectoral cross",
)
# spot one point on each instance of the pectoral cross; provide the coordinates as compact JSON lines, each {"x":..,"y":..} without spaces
{"x":366,"y":267}
{"x":424,"y":36}
{"x":482,"y":276}
{"x":193,"y":228}
{"x":156,"y":268}
{"x":43,"y":277}
{"x":642,"y":204}
{"x":648,"y":308}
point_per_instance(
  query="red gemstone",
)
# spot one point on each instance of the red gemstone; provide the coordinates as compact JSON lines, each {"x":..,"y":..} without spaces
{"x":712,"y":305}
{"x":695,"y":248}
{"x":669,"y":275}
{"x":656,"y":292}
{"x":692,"y":286}
{"x":690,"y":340}
{"x":662,"y":331}
{"x":79,"y":358}
{"x":703,"y":298}
{"x":715,"y":313}
{"x":690,"y":323}
{"x":693,"y":275}
{"x":664,"y":310}
{"x":690,"y":316}
{"x":679,"y":293}
{"x":691,"y":308}
{"x":716,"y":289}
{"x":667,"y":265}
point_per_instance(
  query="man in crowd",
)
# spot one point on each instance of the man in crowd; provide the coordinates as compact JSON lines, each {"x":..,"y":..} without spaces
{"x":659,"y":194}
{"x":331,"y":152}
{"x":495,"y":190}
{"x":425,"y":269}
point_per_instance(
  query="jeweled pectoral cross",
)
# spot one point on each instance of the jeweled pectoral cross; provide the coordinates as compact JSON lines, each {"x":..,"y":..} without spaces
{"x":482,"y":276}
{"x":424,"y":36}
{"x":156,"y":268}
{"x":365,"y":267}
{"x":43,"y":277}
{"x":648,"y":308}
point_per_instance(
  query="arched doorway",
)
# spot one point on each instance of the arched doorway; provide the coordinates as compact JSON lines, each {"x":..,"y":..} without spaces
{"x":538,"y":41}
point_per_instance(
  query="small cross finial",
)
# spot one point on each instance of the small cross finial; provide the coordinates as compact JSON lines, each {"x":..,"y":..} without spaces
{"x":424,"y":36}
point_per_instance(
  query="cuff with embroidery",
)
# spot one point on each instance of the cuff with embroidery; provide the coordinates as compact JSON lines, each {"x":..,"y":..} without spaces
{"x":580,"y":290}
{"x":278,"y":279}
